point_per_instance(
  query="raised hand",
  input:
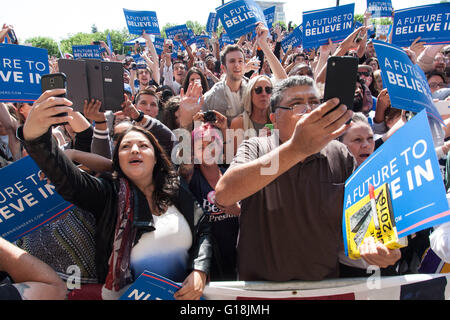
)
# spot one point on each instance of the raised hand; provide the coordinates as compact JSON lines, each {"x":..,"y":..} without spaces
{"x":43,"y":114}
{"x":92,"y":111}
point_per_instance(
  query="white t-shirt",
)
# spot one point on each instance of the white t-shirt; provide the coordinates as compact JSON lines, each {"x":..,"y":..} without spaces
{"x":165,"y":250}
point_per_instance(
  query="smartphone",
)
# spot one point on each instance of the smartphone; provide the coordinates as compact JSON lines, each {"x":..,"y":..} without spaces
{"x":96,"y":43}
{"x":55,"y":81}
{"x":209,"y":116}
{"x":113,"y":89}
{"x":12,"y":36}
{"x":341,"y":76}
{"x":95,"y":79}
{"x":77,"y":86}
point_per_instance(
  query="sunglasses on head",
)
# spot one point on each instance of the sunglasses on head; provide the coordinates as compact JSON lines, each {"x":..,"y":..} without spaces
{"x":259,"y":90}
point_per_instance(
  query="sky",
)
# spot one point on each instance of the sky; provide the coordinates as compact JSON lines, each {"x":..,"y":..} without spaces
{"x":58,"y":19}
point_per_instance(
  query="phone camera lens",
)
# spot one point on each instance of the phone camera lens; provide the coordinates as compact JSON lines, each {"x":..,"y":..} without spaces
{"x":52,"y":80}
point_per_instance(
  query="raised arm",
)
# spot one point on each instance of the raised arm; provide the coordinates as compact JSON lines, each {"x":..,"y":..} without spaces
{"x":313,"y":132}
{"x":72,"y":184}
{"x":261,"y":36}
{"x":153,"y":56}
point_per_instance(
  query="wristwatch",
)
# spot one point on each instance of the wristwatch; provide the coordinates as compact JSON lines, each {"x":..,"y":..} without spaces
{"x":141,"y":116}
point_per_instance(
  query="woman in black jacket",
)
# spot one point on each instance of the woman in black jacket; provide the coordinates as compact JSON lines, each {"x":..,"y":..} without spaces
{"x":138,"y":225}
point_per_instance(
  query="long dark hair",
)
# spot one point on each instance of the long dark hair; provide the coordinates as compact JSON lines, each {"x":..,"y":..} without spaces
{"x":203,"y":80}
{"x":165,"y":177}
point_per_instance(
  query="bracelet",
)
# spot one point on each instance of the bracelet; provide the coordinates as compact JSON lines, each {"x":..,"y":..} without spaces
{"x":100,"y":122}
{"x":141,"y":116}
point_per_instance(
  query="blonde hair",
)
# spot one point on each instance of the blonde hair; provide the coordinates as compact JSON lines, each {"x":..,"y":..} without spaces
{"x":247,"y":93}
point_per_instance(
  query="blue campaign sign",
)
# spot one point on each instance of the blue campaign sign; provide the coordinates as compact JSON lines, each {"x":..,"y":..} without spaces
{"x":379,"y":8}
{"x":239,"y":17}
{"x":200,"y":41}
{"x":431,"y":23}
{"x":191,"y":39}
{"x":151,"y":286}
{"x":182,"y":30}
{"x":224,"y":40}
{"x":334,"y":23}
{"x":110,"y":46}
{"x":294,"y":39}
{"x":159,"y":45}
{"x":87,"y":52}
{"x":26,"y":203}
{"x":175,"y":47}
{"x":212,"y":23}
{"x":269,"y":14}
{"x":140,"y":21}
{"x":407,"y":161}
{"x":406,"y":83}
{"x":20,"y":74}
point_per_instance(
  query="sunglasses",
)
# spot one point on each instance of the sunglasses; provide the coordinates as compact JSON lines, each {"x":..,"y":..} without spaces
{"x":259,"y":90}
{"x":367,"y":74}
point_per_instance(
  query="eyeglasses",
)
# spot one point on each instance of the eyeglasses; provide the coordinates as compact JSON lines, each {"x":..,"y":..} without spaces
{"x":259,"y":90}
{"x":301,"y":108}
{"x":440,"y":85}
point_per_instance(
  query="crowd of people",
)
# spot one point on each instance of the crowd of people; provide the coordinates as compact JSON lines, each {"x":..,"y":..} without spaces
{"x":224,"y":164}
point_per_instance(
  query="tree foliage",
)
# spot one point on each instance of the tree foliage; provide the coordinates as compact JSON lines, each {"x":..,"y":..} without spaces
{"x":45,"y":43}
{"x":118,"y":37}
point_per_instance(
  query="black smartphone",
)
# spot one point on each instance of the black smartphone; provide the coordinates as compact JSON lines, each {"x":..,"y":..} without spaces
{"x":95,"y":80}
{"x":341,"y":79}
{"x":55,"y":81}
{"x":12,"y":37}
{"x":113,"y":89}
{"x":209,"y":116}
{"x":77,"y":86}
{"x":96,"y":43}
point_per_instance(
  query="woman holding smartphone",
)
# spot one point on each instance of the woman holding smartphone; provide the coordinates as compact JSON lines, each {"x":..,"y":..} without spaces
{"x":138,"y":227}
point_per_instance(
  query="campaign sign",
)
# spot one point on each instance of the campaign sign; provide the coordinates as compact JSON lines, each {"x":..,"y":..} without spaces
{"x":151,"y":286}
{"x":191,"y":39}
{"x":159,"y":45}
{"x":334,"y":23}
{"x":26,"y":203}
{"x":175,"y":47}
{"x":87,"y":52}
{"x":109,"y":42}
{"x":239,"y":17}
{"x":383,"y":30}
{"x":200,"y":41}
{"x":379,"y":8}
{"x":294,"y":39}
{"x":140,"y":21}
{"x":406,"y":83}
{"x":407,"y":161}
{"x":181,"y":30}
{"x":20,"y":74}
{"x":225,"y":40}
{"x":431,"y":23}
{"x":269,"y":14}
{"x":212,"y":23}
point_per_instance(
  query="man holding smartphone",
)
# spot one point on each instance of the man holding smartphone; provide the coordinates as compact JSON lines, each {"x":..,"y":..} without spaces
{"x":292,"y":194}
